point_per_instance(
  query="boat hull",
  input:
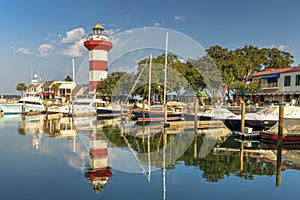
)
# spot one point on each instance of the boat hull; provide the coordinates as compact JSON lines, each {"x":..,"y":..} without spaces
{"x":286,"y":138}
{"x":155,"y":116}
{"x":18,"y":109}
{"x":257,"y":125}
{"x":107,"y":113}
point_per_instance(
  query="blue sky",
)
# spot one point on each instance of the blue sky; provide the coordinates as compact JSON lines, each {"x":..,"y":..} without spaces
{"x":47,"y":34}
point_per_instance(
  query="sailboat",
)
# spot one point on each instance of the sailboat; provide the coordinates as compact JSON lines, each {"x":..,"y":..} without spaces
{"x":166,"y":112}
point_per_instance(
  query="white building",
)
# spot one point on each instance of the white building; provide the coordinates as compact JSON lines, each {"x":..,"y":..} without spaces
{"x":278,"y":85}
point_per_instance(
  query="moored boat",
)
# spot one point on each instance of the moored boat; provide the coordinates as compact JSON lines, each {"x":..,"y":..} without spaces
{"x":111,"y":111}
{"x":290,"y":135}
{"x":288,"y":138}
{"x":25,"y":104}
{"x":157,"y":113}
{"x":82,"y":106}
{"x":263,"y":119}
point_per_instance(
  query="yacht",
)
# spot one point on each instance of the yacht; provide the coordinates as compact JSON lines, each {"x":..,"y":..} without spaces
{"x":83,"y":106}
{"x":25,"y":104}
{"x":263,"y":119}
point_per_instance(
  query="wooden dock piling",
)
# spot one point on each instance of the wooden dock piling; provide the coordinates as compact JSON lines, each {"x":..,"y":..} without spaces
{"x":243,"y":111}
{"x":279,"y":146}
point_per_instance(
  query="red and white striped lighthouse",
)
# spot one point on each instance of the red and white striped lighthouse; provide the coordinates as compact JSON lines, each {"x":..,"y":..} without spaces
{"x":98,"y":45}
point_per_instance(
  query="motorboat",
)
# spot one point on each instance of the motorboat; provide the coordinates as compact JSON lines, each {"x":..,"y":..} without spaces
{"x":111,"y":111}
{"x":25,"y":104}
{"x":263,"y":119}
{"x":210,"y":113}
{"x":290,"y":135}
{"x":82,"y":106}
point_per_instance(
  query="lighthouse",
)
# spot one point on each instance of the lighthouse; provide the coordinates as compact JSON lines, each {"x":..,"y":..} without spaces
{"x":98,"y":45}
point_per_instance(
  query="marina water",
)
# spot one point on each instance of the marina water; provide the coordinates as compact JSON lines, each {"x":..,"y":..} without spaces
{"x":85,"y":158}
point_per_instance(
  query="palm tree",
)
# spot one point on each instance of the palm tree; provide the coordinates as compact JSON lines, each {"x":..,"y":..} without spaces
{"x":21,"y":87}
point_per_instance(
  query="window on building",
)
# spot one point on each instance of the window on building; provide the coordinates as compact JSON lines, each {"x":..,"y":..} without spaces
{"x":272,"y":82}
{"x":287,"y":81}
{"x":297,"y":79}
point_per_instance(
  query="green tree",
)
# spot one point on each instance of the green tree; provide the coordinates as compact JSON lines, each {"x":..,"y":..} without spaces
{"x":275,"y":58}
{"x":22,"y":88}
{"x":253,"y":87}
{"x":68,"y":78}
{"x":238,"y":65}
{"x":107,"y":86}
{"x":54,"y":88}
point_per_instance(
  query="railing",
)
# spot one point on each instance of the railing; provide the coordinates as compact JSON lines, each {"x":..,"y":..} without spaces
{"x":269,"y":85}
{"x":98,"y":37}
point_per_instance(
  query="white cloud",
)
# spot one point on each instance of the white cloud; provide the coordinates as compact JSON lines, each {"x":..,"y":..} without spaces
{"x":280,"y":47}
{"x":74,"y":43}
{"x":44,"y":49}
{"x":22,"y":50}
{"x":74,"y":50}
{"x":157,"y":24}
{"x":73,"y":35}
{"x":112,"y":31}
{"x":179,"y":18}
{"x":112,"y":25}
{"x":283,"y":47}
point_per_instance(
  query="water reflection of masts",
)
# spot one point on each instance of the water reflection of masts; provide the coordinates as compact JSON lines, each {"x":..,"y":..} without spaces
{"x":133,"y":152}
{"x":149,"y":157}
{"x":164,"y":162}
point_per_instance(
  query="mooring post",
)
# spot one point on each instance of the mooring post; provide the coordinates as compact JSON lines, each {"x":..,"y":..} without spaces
{"x":196,"y":115}
{"x":47,"y":109}
{"x":243,"y":111}
{"x":143,"y":111}
{"x":122,"y":112}
{"x":279,"y":145}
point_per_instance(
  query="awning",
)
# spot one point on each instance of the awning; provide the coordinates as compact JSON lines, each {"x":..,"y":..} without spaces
{"x":271,"y":76}
{"x":65,"y":86}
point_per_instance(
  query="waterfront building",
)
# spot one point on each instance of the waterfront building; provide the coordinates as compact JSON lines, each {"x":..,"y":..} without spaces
{"x":278,"y":85}
{"x":98,"y":45}
{"x":45,"y":90}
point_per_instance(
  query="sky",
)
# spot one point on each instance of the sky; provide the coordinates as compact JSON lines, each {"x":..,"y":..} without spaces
{"x":44,"y":36}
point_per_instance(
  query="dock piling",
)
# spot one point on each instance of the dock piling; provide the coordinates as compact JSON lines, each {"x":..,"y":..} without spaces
{"x":243,"y":111}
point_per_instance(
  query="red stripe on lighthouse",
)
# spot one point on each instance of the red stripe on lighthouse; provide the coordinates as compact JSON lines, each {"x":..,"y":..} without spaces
{"x":98,"y":44}
{"x":98,"y":65}
{"x":93,"y":85}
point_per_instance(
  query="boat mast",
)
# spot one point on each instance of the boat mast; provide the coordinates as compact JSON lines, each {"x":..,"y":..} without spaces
{"x":149,"y":87}
{"x":165,"y":81}
{"x":73,"y":70}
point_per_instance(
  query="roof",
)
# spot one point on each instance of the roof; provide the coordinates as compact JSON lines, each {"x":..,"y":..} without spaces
{"x":47,"y":84}
{"x":98,"y":26}
{"x":277,"y":71}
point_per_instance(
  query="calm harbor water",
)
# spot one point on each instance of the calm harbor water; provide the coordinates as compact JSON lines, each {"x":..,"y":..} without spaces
{"x":89,"y":159}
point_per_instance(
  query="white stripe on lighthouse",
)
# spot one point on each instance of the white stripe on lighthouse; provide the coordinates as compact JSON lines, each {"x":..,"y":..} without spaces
{"x":98,"y":55}
{"x":97,"y":75}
